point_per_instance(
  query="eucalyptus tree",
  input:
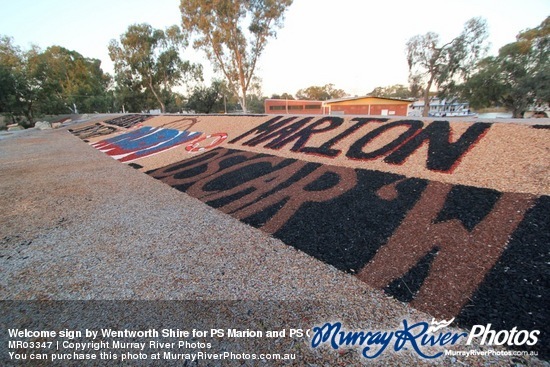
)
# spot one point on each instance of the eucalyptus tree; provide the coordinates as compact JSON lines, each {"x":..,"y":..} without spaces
{"x":320,"y":93}
{"x":518,"y":77}
{"x":66,"y":82}
{"x":207,"y":99}
{"x":398,"y":91}
{"x":433,"y":64}
{"x":52,"y":81}
{"x":151,"y":58}
{"x":17,"y":95}
{"x":233,"y":34}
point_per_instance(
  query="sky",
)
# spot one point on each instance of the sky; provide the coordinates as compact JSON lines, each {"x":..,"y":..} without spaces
{"x":356,"y":45}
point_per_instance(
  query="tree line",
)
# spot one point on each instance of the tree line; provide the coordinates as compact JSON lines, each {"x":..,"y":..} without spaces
{"x":148,"y":66}
{"x":149,"y":71}
{"x":518,"y":78}
{"x":52,"y":81}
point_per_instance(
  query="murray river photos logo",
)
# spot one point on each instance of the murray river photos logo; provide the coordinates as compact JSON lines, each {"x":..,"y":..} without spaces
{"x":416,"y":337}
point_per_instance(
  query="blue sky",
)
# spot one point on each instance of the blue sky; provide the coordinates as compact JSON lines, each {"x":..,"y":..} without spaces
{"x":355,"y":44}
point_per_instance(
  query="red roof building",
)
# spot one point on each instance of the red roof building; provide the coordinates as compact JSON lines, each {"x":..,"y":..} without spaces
{"x":345,"y":106}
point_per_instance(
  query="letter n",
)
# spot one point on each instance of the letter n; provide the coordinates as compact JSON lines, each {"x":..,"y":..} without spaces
{"x":443,"y":155}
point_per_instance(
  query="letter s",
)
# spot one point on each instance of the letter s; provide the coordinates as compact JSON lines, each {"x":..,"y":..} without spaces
{"x":533,"y":337}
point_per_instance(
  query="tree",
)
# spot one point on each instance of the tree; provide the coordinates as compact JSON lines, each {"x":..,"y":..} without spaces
{"x":233,"y":34}
{"x":66,"y":81}
{"x":150,"y":58}
{"x":518,"y":77}
{"x":175,"y":102}
{"x":282,"y":96}
{"x":323,"y":93}
{"x":128,"y":93}
{"x":17,"y":94}
{"x":207,"y":99}
{"x":255,"y":99}
{"x":9,"y":61}
{"x":54,"y":81}
{"x":399,"y":91}
{"x":432,"y":64}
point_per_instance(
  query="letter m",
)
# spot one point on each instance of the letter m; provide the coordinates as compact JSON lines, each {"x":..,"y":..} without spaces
{"x":264,"y":131}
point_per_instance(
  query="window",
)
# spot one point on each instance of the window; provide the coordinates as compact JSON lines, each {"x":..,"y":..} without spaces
{"x":313,"y":107}
{"x":276,"y":108}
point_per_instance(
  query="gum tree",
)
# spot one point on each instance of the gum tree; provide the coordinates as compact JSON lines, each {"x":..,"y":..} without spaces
{"x":518,"y":78}
{"x":52,"y":81}
{"x":66,"y":81}
{"x":433,"y":64}
{"x":150,"y":57}
{"x":394,"y":91}
{"x":320,"y":93}
{"x":17,"y":90}
{"x":233,"y":34}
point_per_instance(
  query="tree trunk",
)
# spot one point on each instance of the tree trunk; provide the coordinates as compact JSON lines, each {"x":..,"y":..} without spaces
{"x":243,"y":101}
{"x":28,"y":114}
{"x":426,"y":111}
{"x":517,"y":113}
{"x":517,"y":105}
{"x":162,"y":107}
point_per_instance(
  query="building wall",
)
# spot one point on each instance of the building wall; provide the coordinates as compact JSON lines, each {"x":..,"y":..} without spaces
{"x":375,"y":109}
{"x":368,"y":106}
{"x":362,"y":106}
{"x":371,"y":101}
{"x":295,"y":107}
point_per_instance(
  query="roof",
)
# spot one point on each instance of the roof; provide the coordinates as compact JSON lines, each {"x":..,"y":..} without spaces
{"x":345,"y":99}
{"x":296,"y":100}
{"x":440,"y":102}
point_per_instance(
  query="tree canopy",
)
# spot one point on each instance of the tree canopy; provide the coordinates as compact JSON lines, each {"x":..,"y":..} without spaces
{"x":15,"y":93}
{"x":320,"y":93}
{"x":233,"y":34}
{"x":432,"y":64}
{"x":68,"y":82}
{"x":282,"y":96}
{"x":149,"y":58}
{"x":54,"y":81}
{"x":399,"y":91}
{"x":207,"y":99}
{"x":518,"y":78}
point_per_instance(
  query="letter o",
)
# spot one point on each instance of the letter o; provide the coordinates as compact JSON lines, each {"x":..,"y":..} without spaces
{"x":525,"y":337}
{"x":194,"y":146}
{"x":356,"y":149}
{"x":497,"y":340}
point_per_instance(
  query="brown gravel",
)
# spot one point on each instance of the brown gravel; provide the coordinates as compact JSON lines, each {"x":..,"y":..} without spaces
{"x":501,"y":159}
{"x":78,"y":225}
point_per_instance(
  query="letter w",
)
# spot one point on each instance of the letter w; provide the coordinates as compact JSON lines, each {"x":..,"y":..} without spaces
{"x":463,"y":259}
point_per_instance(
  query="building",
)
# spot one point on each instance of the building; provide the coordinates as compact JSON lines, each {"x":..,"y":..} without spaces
{"x":292,"y":106}
{"x":345,"y":106}
{"x":366,"y":105}
{"x":442,"y":108}
{"x":541,"y":110}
